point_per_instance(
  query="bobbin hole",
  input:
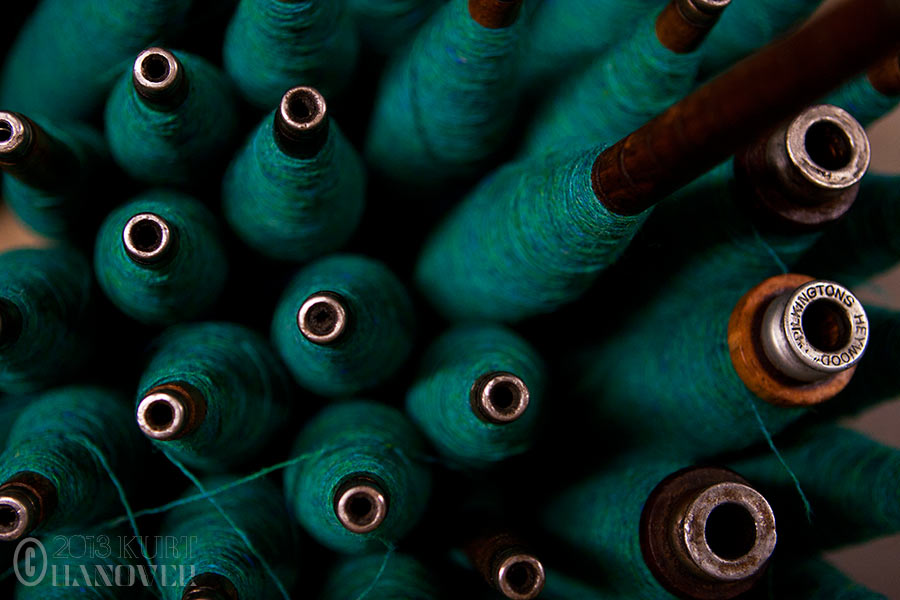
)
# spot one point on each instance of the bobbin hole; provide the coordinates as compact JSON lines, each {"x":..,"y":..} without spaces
{"x":522,"y":577}
{"x":361,"y":510}
{"x":302,"y":108}
{"x":146,"y":235}
{"x":322,"y":318}
{"x":826,"y":325}
{"x":730,"y":531}
{"x":6,"y":131}
{"x":155,"y":68}
{"x":504,"y":397}
{"x":9,"y":519}
{"x":828,"y":145}
{"x":159,"y":415}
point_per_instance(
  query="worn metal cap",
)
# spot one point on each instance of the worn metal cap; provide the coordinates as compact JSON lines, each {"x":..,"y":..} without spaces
{"x":148,"y":239}
{"x":159,"y":78}
{"x":16,"y":137}
{"x":26,"y":500}
{"x":301,"y":122}
{"x":171,"y":411}
{"x":360,"y":504}
{"x":499,"y":397}
{"x":519,"y":575}
{"x":323,"y":317}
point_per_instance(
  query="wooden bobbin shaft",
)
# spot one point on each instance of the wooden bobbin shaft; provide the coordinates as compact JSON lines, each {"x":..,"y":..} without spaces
{"x":495,"y":14}
{"x":684,"y":24}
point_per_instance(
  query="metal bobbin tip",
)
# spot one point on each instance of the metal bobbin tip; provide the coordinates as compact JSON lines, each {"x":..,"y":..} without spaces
{"x":16,"y":136}
{"x":701,"y":12}
{"x":301,"y":122}
{"x":499,"y":397}
{"x":170,"y":411}
{"x":210,"y":586}
{"x":815,"y":331}
{"x":158,"y":78}
{"x":148,"y":239}
{"x":520,"y":576}
{"x":360,"y":504}
{"x":19,"y":510}
{"x":729,"y":531}
{"x":323,"y":317}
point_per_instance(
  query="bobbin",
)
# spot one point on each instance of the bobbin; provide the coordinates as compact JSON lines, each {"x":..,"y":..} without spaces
{"x":495,"y":14}
{"x":149,"y":240}
{"x":360,"y":503}
{"x":885,"y":76}
{"x":301,"y":122}
{"x":705,"y":533}
{"x":210,"y":586}
{"x":26,"y":501}
{"x":171,"y":411}
{"x":507,"y":565}
{"x":32,"y":156}
{"x":684,"y":24}
{"x":10,"y":323}
{"x":16,"y":137}
{"x":323,"y":317}
{"x":159,"y":79}
{"x":499,"y":397}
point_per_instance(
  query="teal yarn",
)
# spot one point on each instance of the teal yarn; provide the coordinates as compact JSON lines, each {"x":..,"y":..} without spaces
{"x":439,"y":404}
{"x":173,"y":147}
{"x":292,"y":208}
{"x":178,"y":289}
{"x":861,"y":100}
{"x":60,"y":211}
{"x":58,"y":435}
{"x":446,"y":103}
{"x":380,"y":577}
{"x":207,"y":542}
{"x":384,"y":25}
{"x":529,"y":238}
{"x":377,"y":341}
{"x":815,"y":579}
{"x":614,"y":95}
{"x":51,"y":290}
{"x":866,"y":241}
{"x":70,"y":52}
{"x":241,"y":379}
{"x":358,"y":437}
{"x":850,"y":480}
{"x":747,"y":26}
{"x":272,"y":45}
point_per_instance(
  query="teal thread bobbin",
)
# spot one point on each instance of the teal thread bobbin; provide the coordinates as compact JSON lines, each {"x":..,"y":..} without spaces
{"x":815,"y":579}
{"x":385,"y":25}
{"x":57,"y":438}
{"x":212,"y":394}
{"x":272,"y":45}
{"x":221,"y":559}
{"x":46,"y":317}
{"x":380,"y":577}
{"x":364,"y":486}
{"x":171,"y":118}
{"x":296,"y":189}
{"x":52,"y":174}
{"x":531,"y":237}
{"x":344,"y":324}
{"x":160,"y":258}
{"x":67,"y":56}
{"x":445,"y":104}
{"x":478,"y":395}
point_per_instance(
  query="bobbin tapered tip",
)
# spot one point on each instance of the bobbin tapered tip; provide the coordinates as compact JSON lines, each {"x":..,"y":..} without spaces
{"x":885,"y":76}
{"x":301,"y":122}
{"x":499,"y":397}
{"x":159,"y":79}
{"x":323,"y":318}
{"x":148,"y":239}
{"x":18,"y":514}
{"x":495,"y":14}
{"x":10,"y":323}
{"x":171,"y":411}
{"x":520,"y":576}
{"x":360,"y":504}
{"x":684,"y":24}
{"x":209,"y":586}
{"x":16,"y":137}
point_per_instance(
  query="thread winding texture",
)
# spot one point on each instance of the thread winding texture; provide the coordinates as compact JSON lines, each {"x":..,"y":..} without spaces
{"x":439,"y":400}
{"x":358,"y":437}
{"x":208,"y":543}
{"x":815,"y":579}
{"x":70,"y":52}
{"x":182,"y":287}
{"x":614,"y":95}
{"x":272,"y":45}
{"x":861,"y":100}
{"x":850,"y":480}
{"x":63,"y":208}
{"x":173,"y":147}
{"x":51,"y":289}
{"x":529,"y":238}
{"x":375,"y":344}
{"x":239,"y":376}
{"x":446,"y":103}
{"x":386,"y":24}
{"x":53,"y":437}
{"x":294,"y":208}
{"x":380,"y":577}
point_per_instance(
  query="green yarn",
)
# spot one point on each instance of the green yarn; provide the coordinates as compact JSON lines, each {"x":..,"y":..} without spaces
{"x":850,"y":480}
{"x":67,"y":56}
{"x":385,"y":25}
{"x":614,"y":95}
{"x":181,"y":288}
{"x":815,"y":579}
{"x":55,"y":436}
{"x":272,"y":45}
{"x":241,"y":379}
{"x":445,"y":104}
{"x":866,"y":241}
{"x":51,"y":289}
{"x":62,"y":210}
{"x":379,"y":334}
{"x":861,"y":100}
{"x":747,"y":26}
{"x":530,"y":238}
{"x":439,"y":404}
{"x":358,"y":437}
{"x":294,"y":208}
{"x":209,"y":543}
{"x":380,"y":577}
{"x":173,"y":147}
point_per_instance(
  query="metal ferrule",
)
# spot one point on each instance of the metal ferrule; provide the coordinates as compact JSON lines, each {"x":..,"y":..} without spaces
{"x":171,"y":411}
{"x":323,"y":318}
{"x":518,"y":574}
{"x":149,"y":240}
{"x":30,"y":155}
{"x":360,"y":503}
{"x":26,"y":500}
{"x":301,"y":122}
{"x":159,"y":79}
{"x":499,"y":397}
